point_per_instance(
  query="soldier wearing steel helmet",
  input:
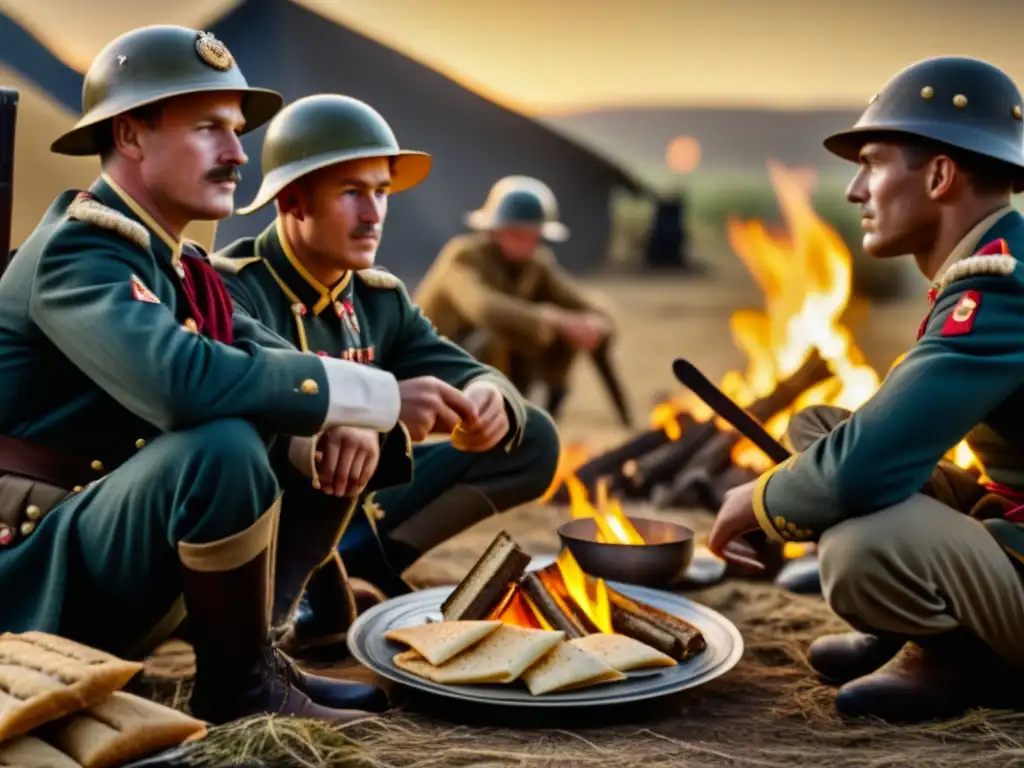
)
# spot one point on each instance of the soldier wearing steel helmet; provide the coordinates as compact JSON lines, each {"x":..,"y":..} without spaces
{"x":500,"y":292}
{"x":922,"y":560}
{"x":330,"y":164}
{"x":136,"y":485}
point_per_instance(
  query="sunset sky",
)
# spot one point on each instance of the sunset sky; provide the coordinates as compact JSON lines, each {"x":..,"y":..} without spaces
{"x":549,"y":56}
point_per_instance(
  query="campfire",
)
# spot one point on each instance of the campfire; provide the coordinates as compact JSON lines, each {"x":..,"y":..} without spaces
{"x":798,"y":351}
{"x":563,"y":598}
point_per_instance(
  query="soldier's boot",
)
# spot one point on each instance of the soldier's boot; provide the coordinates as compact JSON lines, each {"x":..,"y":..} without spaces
{"x":847,"y":656}
{"x":932,"y":678}
{"x":319,"y":627}
{"x":226,"y":586}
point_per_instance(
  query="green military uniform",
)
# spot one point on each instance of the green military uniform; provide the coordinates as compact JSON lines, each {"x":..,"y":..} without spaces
{"x":494,"y":307}
{"x":910,"y":547}
{"x":420,"y":495}
{"x":135,"y":480}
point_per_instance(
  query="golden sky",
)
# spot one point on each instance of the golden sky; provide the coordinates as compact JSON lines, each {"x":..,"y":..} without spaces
{"x":550,"y":56}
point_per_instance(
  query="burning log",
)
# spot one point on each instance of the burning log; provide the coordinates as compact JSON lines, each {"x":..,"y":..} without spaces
{"x":550,"y":607}
{"x":639,"y":628}
{"x":662,"y":463}
{"x":555,"y":584}
{"x":687,"y":639}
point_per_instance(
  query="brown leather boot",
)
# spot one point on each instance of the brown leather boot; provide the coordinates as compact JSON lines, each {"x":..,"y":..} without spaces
{"x":332,"y":601}
{"x":844,"y":657}
{"x":931,"y":678}
{"x":226,"y":585}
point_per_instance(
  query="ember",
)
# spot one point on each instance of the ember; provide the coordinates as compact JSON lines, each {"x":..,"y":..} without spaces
{"x":798,"y":353}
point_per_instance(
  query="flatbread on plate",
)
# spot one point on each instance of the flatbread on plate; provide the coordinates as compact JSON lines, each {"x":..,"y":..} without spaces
{"x":440,"y":641}
{"x":568,"y":667}
{"x":501,"y":657}
{"x":623,"y":653}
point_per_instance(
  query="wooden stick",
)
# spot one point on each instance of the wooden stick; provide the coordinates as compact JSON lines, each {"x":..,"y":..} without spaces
{"x":633,"y":625}
{"x":548,"y":606}
{"x":689,"y":639}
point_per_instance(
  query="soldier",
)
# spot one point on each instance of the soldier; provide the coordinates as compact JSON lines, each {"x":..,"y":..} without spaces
{"x":331,"y":163}
{"x":135,"y":480}
{"x":922,"y":561}
{"x":500,"y":293}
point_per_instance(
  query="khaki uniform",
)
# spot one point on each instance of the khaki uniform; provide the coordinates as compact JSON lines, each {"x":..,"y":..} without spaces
{"x":910,"y":544}
{"x":493,"y":308}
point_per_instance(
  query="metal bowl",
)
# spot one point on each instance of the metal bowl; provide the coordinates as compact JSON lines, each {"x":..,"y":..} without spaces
{"x":659,"y":562}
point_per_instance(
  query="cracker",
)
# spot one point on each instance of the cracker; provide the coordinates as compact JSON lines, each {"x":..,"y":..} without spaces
{"x":568,"y":667}
{"x":501,"y":657}
{"x":30,"y":752}
{"x":441,"y":641}
{"x":622,"y":652}
{"x":121,"y":728}
{"x":44,"y":678}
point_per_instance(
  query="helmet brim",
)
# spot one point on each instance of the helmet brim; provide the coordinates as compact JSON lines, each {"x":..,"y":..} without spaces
{"x":482,"y":221}
{"x":258,"y":107}
{"x":411,"y":167}
{"x":849,"y":143}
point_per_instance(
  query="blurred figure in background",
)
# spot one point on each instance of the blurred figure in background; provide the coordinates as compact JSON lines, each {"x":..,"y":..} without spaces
{"x":500,"y":293}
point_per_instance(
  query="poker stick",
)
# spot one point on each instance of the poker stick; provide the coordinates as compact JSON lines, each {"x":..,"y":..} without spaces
{"x":688,"y":375}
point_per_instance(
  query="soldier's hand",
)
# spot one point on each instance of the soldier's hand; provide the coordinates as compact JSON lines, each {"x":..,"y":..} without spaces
{"x":431,"y":405}
{"x":346,"y":459}
{"x":582,"y":330}
{"x":735,"y":518}
{"x":492,"y":420}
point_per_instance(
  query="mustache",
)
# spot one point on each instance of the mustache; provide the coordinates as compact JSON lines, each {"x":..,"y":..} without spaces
{"x":364,"y":230}
{"x":224,"y":173}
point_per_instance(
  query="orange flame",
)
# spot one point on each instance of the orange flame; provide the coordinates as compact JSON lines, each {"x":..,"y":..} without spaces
{"x":571,"y":458}
{"x":805,"y":276}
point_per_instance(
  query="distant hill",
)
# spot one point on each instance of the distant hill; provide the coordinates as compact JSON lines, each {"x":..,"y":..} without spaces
{"x":732,"y":141}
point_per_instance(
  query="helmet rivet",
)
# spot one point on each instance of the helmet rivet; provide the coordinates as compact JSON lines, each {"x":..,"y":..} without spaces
{"x":959,"y":101}
{"x":1016,"y":112}
{"x":927,"y":92}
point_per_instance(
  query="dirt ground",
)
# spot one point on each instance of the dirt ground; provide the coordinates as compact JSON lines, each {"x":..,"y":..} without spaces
{"x":769,"y":710}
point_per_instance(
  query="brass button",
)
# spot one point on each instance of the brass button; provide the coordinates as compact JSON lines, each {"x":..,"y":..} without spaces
{"x":927,"y":92}
{"x":27,"y":527}
{"x":78,"y":489}
{"x":97,"y":465}
{"x":1017,"y":114}
{"x":140,"y":443}
{"x":378,"y":512}
{"x":959,"y":101}
{"x":32,"y":512}
{"x":190,"y":325}
{"x":309,"y":387}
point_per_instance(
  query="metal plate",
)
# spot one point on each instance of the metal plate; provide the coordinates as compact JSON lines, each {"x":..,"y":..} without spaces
{"x":724,"y":649}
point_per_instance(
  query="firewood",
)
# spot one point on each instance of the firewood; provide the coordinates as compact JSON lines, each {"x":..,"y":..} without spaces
{"x":633,"y":625}
{"x":661,"y":464}
{"x":688,"y":638}
{"x":555,"y":584}
{"x":550,"y":607}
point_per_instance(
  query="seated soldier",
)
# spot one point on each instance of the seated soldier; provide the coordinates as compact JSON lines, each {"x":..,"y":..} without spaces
{"x":136,"y":482}
{"x":921,"y":560}
{"x":501,"y":294}
{"x":331,"y":163}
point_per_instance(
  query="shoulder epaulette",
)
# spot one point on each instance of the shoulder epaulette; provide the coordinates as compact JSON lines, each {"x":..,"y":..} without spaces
{"x":378,"y":278}
{"x":972,"y":266}
{"x":231,"y":266}
{"x":89,"y":210}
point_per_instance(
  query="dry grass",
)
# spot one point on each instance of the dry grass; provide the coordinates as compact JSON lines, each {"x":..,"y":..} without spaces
{"x":768,"y":712}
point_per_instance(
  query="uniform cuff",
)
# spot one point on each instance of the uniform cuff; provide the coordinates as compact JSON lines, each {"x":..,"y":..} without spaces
{"x":761,"y":509}
{"x":361,"y":396}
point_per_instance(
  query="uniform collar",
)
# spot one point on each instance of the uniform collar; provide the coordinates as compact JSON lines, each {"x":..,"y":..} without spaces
{"x":292,"y":277}
{"x":969,"y":243}
{"x":165,"y":241}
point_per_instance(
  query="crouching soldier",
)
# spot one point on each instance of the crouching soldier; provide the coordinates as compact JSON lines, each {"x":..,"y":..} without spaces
{"x":500,"y":293}
{"x":331,"y":162}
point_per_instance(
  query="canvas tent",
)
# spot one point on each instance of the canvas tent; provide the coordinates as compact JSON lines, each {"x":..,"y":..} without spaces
{"x":288,"y":47}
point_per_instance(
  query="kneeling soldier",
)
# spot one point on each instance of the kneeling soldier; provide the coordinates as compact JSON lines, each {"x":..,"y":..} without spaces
{"x":927,"y":567}
{"x":331,"y":163}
